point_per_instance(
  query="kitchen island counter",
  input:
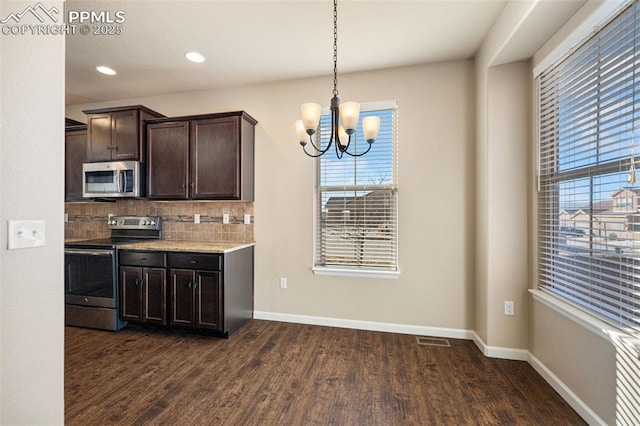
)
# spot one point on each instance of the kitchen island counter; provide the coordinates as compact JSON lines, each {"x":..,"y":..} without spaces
{"x":188,"y":246}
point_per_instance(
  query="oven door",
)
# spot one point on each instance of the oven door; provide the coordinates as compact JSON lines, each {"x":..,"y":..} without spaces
{"x":90,"y":277}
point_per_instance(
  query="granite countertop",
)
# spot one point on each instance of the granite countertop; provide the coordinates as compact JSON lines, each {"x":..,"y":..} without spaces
{"x":190,"y":246}
{"x":75,"y":239}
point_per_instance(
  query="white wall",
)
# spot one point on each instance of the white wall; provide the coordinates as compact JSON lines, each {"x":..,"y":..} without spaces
{"x":436,"y":119}
{"x":31,"y":187}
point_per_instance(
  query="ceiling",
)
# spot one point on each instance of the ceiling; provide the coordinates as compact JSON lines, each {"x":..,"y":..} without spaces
{"x":249,"y":42}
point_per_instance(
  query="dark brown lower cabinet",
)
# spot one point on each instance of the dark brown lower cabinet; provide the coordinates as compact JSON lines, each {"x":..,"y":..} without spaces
{"x":202,"y":292}
{"x":143,"y":289}
{"x":196,"y":298}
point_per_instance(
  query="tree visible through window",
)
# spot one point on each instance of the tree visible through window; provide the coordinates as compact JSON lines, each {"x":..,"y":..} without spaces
{"x":356,"y":217}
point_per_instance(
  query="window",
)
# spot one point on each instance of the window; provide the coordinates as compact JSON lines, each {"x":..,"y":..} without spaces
{"x":356,"y":224}
{"x":589,"y":238}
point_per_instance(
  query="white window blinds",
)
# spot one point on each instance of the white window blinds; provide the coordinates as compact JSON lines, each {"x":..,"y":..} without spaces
{"x":356,"y":219}
{"x":589,"y":199}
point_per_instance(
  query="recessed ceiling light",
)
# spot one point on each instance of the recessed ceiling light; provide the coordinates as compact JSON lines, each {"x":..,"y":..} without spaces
{"x":106,"y":70}
{"x":195,"y":57}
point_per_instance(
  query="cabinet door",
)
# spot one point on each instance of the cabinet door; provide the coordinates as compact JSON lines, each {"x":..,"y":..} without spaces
{"x":215,"y":158}
{"x":154,"y":291}
{"x":208,"y":300}
{"x":167,"y":160}
{"x":130,"y":293}
{"x":99,"y":137}
{"x":182,"y":297}
{"x":125,"y":139}
{"x":75,"y":154}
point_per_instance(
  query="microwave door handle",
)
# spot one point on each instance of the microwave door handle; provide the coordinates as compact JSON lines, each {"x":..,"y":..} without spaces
{"x":123,"y":174}
{"x":116,"y":175}
{"x":119,"y":182}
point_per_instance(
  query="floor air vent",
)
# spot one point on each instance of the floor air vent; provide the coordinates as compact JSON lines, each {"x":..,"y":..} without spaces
{"x":433,"y":341}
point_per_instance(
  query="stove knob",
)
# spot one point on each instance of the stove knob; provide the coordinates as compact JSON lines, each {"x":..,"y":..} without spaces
{"x":113,"y":222}
{"x":152,"y":223}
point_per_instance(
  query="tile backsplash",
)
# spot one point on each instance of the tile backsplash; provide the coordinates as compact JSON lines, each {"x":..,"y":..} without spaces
{"x":89,"y":219}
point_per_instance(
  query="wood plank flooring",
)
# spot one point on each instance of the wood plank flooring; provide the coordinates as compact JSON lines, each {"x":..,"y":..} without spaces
{"x":273,"y":373}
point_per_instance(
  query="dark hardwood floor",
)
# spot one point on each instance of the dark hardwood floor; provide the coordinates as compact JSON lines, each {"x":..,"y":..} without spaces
{"x":273,"y":373}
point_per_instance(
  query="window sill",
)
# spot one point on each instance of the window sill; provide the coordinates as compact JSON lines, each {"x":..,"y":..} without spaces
{"x":598,"y":327}
{"x":355,"y":273}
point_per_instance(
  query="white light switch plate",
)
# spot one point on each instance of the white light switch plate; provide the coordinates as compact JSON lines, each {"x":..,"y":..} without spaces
{"x":25,"y":234}
{"x":225,"y":217}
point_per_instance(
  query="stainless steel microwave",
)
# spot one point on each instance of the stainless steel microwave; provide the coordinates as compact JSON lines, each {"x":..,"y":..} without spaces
{"x":112,"y":179}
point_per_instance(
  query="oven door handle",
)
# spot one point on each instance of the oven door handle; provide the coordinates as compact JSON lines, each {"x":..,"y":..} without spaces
{"x":89,"y":252}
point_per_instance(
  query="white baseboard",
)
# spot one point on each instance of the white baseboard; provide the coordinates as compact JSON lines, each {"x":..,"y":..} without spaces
{"x":490,"y":351}
{"x":567,"y":394}
{"x":452,"y":333}
{"x":499,"y":351}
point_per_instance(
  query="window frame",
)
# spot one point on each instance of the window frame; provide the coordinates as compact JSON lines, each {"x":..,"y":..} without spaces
{"x":553,"y":173}
{"x":352,"y":270}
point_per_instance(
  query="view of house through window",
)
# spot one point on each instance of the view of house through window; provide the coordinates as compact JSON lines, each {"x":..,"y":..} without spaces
{"x":356,"y":216}
{"x":589,"y":200}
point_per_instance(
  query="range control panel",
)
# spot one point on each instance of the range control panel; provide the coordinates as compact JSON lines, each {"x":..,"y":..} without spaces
{"x":135,"y":222}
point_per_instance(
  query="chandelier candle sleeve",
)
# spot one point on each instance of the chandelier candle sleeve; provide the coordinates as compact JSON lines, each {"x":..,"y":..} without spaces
{"x":349,"y":113}
{"x":311,"y":116}
{"x":343,"y":137}
{"x":370,"y":127}
{"x":301,"y":132}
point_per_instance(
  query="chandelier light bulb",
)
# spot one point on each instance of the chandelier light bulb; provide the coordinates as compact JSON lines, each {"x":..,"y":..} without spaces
{"x":370,"y":127}
{"x":349,"y":113}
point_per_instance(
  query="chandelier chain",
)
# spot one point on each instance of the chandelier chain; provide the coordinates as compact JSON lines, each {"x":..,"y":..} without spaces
{"x":335,"y":47}
{"x":311,"y":116}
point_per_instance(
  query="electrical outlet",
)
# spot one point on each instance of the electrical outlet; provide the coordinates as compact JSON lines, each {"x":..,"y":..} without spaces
{"x":283,"y":282}
{"x":196,"y":218}
{"x":509,"y":308}
{"x":225,"y":217}
{"x":247,"y":219}
{"x":66,"y":217}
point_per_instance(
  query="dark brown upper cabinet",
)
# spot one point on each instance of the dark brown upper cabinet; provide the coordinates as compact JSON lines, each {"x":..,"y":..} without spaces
{"x":206,"y":157}
{"x":116,"y":134}
{"x":75,"y":153}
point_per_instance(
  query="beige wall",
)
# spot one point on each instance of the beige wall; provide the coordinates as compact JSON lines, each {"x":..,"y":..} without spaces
{"x":436,"y":119}
{"x":501,"y":186}
{"x":507,"y":202}
{"x":584,"y":362}
{"x":31,"y":187}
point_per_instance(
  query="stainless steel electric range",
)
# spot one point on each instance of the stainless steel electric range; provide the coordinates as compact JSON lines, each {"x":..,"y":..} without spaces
{"x":91,"y":272}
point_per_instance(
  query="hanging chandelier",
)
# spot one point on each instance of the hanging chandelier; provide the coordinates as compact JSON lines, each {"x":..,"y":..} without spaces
{"x":344,"y":118}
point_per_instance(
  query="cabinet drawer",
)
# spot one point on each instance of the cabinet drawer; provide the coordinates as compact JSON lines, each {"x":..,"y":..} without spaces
{"x":208,"y":262}
{"x":143,"y":258}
